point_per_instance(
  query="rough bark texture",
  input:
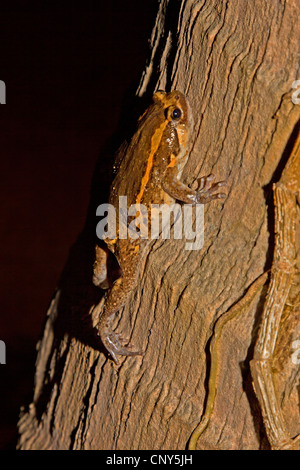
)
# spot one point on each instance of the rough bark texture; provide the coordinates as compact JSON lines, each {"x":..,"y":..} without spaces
{"x":236,"y":61}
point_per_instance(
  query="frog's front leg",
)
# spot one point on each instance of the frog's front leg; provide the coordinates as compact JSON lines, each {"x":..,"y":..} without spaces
{"x":206,"y":191}
{"x":115,"y":300}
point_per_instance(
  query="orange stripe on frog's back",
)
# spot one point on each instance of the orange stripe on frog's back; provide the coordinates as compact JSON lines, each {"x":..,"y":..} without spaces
{"x":155,"y":141}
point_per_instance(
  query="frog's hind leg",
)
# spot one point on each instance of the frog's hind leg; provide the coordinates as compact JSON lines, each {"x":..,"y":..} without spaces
{"x":116,"y":299}
{"x":106,"y":268}
{"x":100,"y":278}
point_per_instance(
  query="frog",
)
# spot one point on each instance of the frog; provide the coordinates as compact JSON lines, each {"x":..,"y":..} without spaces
{"x":148,"y":172}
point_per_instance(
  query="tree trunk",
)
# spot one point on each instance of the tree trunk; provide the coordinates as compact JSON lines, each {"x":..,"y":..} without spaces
{"x":236,"y":62}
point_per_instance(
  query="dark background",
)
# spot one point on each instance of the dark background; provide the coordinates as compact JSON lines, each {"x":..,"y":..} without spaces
{"x":68,"y":72}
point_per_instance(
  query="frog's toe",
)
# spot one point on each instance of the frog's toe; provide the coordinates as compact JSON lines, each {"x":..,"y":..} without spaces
{"x":129,"y":350}
{"x":209,"y":191}
{"x":116,"y":344}
{"x":205,"y":182}
{"x":124,"y":348}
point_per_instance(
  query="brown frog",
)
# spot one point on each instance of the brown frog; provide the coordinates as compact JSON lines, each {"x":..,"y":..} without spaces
{"x":148,"y":173}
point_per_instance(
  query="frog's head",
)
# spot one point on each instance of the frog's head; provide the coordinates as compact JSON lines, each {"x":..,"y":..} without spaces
{"x":178,"y":113}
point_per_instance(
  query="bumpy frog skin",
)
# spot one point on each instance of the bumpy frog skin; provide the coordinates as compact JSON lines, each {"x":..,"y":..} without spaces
{"x":149,"y":173}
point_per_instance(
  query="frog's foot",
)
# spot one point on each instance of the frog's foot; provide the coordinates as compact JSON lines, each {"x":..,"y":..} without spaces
{"x":115,"y":344}
{"x":206,"y":191}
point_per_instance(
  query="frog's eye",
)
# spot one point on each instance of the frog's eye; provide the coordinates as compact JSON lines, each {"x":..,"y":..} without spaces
{"x":176,"y":114}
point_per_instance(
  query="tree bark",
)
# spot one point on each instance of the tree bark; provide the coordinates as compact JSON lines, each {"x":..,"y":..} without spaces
{"x":236,"y":61}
